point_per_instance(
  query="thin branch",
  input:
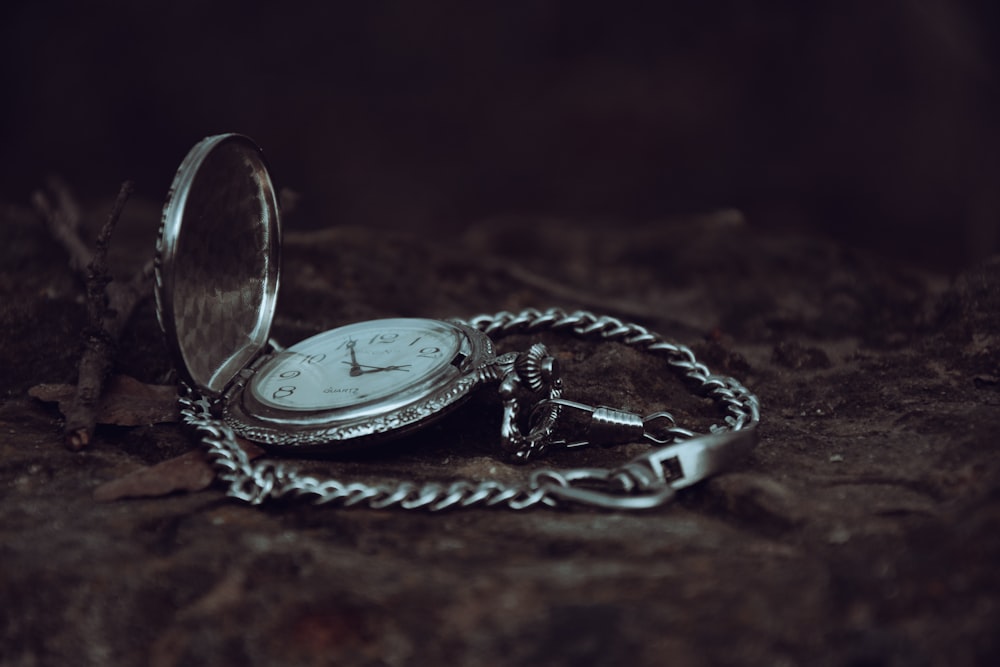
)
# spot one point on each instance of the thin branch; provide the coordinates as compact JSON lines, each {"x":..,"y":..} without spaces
{"x":109,"y":304}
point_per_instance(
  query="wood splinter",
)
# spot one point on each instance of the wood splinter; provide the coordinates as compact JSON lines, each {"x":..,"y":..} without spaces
{"x":109,"y":304}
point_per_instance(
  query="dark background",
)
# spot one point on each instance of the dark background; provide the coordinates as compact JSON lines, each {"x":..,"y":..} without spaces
{"x":872,"y":121}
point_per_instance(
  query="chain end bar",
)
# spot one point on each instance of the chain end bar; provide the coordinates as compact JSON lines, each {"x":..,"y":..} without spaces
{"x":689,"y":462}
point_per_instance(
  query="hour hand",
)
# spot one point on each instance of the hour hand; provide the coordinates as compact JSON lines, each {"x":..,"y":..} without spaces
{"x":353,"y":363}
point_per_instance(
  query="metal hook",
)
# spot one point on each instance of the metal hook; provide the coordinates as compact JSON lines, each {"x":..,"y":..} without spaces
{"x":584,"y":485}
{"x":613,"y":426}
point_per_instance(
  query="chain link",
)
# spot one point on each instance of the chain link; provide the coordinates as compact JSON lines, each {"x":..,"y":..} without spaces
{"x":646,"y":481}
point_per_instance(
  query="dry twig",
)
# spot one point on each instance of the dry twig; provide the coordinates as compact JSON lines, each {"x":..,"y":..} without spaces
{"x":109,"y":304}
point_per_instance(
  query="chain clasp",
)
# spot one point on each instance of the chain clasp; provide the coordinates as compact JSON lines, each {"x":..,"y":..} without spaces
{"x":597,"y":487}
{"x":612,"y":426}
{"x":649,"y":480}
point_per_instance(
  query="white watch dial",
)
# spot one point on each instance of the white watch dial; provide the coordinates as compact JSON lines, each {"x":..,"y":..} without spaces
{"x":376,"y":362}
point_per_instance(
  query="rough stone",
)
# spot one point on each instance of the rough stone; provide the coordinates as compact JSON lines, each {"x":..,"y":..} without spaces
{"x":862,"y":530}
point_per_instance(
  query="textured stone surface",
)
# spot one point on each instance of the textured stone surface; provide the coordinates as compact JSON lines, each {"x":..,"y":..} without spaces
{"x":862,"y":531}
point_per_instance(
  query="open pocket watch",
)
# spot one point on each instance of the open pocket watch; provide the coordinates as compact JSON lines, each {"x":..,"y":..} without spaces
{"x":217,"y":272}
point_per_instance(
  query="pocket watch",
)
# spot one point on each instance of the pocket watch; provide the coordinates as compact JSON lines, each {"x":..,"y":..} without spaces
{"x":217,"y":273}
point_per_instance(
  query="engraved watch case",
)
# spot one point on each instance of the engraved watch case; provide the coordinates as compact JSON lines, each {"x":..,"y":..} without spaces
{"x":217,"y":274}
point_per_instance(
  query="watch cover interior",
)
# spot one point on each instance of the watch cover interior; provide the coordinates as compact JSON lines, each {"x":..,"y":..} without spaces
{"x":217,"y":261}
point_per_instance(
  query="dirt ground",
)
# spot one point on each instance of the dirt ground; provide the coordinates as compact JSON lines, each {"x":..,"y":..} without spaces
{"x":863,"y":530}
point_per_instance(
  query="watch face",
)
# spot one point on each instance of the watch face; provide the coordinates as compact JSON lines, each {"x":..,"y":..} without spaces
{"x":359,"y":384}
{"x":368,"y":367}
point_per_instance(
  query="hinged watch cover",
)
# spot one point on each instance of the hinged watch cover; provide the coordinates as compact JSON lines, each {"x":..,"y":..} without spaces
{"x":217,"y":261}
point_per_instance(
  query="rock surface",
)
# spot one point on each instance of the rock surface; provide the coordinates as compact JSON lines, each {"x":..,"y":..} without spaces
{"x":864,"y":529}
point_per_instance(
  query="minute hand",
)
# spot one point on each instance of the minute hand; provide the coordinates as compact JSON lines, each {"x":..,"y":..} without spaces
{"x":357,"y":369}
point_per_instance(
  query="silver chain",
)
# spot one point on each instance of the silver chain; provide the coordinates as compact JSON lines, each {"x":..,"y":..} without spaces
{"x":646,"y":481}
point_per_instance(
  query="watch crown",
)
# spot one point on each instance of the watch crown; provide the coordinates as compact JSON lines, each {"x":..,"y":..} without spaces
{"x":536,"y":367}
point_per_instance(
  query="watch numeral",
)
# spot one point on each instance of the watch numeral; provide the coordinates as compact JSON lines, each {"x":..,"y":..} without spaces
{"x":415,"y":341}
{"x":384,"y":338}
{"x":430,"y":352}
{"x":312,"y":359}
{"x":290,"y":374}
{"x":283,"y":392}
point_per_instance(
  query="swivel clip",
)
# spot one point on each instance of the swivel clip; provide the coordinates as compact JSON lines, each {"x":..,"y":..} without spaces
{"x":611,"y":426}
